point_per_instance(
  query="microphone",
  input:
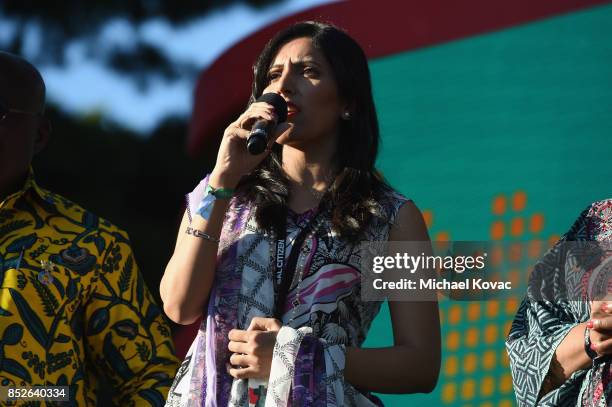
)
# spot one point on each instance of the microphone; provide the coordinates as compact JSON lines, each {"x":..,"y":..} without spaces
{"x":262,"y":130}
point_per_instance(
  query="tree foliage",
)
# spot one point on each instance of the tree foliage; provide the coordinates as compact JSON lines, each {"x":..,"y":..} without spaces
{"x":63,"y":21}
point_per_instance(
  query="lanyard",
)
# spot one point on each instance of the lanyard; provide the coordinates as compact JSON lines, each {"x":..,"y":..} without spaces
{"x":285,"y":270}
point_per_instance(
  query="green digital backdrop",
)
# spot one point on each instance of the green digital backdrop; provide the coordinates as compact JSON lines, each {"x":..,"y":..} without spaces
{"x":503,"y":136}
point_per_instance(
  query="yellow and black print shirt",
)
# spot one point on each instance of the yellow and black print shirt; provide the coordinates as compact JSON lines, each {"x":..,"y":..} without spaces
{"x":73,"y":305}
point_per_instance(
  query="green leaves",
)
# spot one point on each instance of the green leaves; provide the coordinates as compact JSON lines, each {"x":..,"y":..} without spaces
{"x":22,"y":243}
{"x":50,"y":304}
{"x":31,"y":320}
{"x":126,"y":274}
{"x":126,"y":329}
{"x":10,"y":227}
{"x":152,"y":396}
{"x":143,"y":351}
{"x":98,"y":241}
{"x":89,"y":220}
{"x":152,"y":312}
{"x":115,"y":359}
{"x":12,"y":334}
{"x":139,"y":290}
{"x":62,"y":338}
{"x":98,"y":321}
{"x":14,"y":368}
{"x":76,"y":323}
{"x":71,"y":290}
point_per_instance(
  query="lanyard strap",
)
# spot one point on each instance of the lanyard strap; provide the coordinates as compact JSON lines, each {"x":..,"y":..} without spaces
{"x":285,"y":270}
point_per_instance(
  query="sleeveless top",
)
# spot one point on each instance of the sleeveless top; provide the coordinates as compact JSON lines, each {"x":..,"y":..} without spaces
{"x":308,"y":361}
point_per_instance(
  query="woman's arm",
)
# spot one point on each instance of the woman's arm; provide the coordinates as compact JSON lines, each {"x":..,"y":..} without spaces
{"x":413,"y":363}
{"x":188,"y":277}
{"x":568,"y":358}
{"x":570,"y":355}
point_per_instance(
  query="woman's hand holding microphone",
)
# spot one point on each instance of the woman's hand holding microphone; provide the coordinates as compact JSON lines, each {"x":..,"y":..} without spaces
{"x":233,"y":158}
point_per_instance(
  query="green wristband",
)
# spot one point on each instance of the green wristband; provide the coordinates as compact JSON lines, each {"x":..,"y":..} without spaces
{"x":220,"y":193}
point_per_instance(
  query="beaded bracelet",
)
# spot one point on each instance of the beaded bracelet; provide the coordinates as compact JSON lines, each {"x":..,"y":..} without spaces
{"x":587,"y":344}
{"x":199,"y":233}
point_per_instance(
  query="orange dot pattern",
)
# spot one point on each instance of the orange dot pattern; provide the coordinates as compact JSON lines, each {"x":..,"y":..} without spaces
{"x":505,"y":385}
{"x":512,"y":305}
{"x":476,"y":364}
{"x":517,"y":227}
{"x":470,"y":361}
{"x":471,"y":337}
{"x":515,"y":251}
{"x":473,"y":311}
{"x":505,"y":360}
{"x":454,"y":314}
{"x":475,"y":376}
{"x":535,"y":249}
{"x":497,"y":256}
{"x":487,"y":387}
{"x":443,"y":236}
{"x":536,"y":223}
{"x":498,"y":230}
{"x":468,"y":389}
{"x":428,"y":217}
{"x":492,"y":308}
{"x":491,"y":334}
{"x":449,"y":392}
{"x":488,"y":360}
{"x":498,"y":207}
{"x":519,"y":201}
{"x":451,"y":365}
{"x":452,"y":341}
{"x":507,"y":327}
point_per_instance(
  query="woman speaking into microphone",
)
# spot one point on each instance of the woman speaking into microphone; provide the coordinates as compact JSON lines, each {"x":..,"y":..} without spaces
{"x":268,"y":249}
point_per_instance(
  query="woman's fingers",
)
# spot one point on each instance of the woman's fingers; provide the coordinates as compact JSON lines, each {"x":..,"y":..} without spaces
{"x":603,"y":347}
{"x":243,"y":367}
{"x":279,"y":131}
{"x":233,"y":159}
{"x":244,"y":373}
{"x":255,"y":112}
{"x":264,"y":324}
{"x":238,"y":359}
{"x":239,"y":335}
{"x":238,"y":347}
{"x":602,"y":324}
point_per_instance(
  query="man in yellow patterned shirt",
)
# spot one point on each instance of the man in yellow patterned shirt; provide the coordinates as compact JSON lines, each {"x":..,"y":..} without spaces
{"x":73,"y":305}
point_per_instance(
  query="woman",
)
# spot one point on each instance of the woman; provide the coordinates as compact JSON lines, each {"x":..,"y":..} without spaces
{"x":560,"y":344}
{"x":285,"y":275}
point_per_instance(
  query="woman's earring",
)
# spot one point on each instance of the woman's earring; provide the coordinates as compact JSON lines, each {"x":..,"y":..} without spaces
{"x":346,"y":115}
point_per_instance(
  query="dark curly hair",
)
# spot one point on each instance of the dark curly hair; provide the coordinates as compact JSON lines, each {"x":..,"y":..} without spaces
{"x":352,"y":197}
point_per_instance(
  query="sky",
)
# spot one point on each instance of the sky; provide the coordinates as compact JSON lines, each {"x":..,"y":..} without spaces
{"x":83,"y":85}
